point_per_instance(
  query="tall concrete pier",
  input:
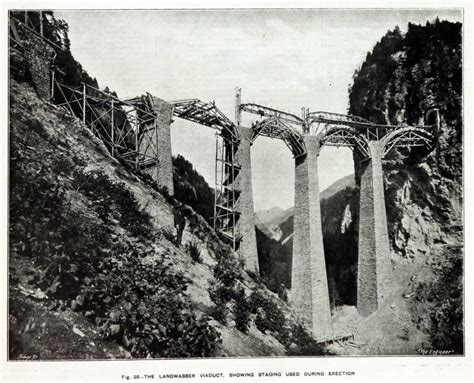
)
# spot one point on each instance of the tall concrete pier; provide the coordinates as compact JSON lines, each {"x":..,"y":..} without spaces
{"x":248,"y":245}
{"x":309,"y":286}
{"x":374,"y":268}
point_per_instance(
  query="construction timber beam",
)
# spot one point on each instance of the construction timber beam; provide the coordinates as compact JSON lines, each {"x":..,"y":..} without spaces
{"x":227,"y":193}
{"x":207,"y":114}
{"x":29,"y":27}
{"x":265,"y":111}
{"x":319,"y":116}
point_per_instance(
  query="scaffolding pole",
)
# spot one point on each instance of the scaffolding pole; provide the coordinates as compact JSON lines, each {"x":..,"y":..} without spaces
{"x":83,"y":103}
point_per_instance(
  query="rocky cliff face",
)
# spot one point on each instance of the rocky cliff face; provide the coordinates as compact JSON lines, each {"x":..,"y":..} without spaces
{"x":402,"y":78}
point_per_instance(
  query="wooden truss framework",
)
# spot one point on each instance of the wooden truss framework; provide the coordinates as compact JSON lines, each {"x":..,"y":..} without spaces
{"x":127,"y":127}
{"x":207,"y":114}
{"x":18,"y":37}
{"x":227,"y":168}
{"x":408,"y":137}
{"x":227,"y":194}
{"x":362,"y":126}
{"x":321,"y":120}
{"x":276,"y":124}
{"x":335,"y":129}
{"x":35,"y":26}
{"x":274,"y":127}
{"x":25,"y":24}
{"x":343,"y":136}
{"x":355,"y":132}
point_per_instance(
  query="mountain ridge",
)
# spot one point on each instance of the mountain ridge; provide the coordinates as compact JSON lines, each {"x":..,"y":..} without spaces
{"x":270,"y":223}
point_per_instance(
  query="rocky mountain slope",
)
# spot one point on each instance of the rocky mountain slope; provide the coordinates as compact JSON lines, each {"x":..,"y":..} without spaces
{"x":275,"y":251}
{"x":94,"y":268}
{"x":267,"y":216}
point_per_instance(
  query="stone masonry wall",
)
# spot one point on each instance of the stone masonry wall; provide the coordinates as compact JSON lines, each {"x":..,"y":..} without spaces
{"x":374,"y":268}
{"x":309,"y":286}
{"x":39,"y":55}
{"x":164,"y":171}
{"x":248,"y":246}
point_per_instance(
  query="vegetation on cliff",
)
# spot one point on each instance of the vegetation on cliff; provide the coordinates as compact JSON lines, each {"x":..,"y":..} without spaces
{"x":56,"y":30}
{"x":80,"y":238}
{"x":192,"y":189}
{"x":92,"y":250}
{"x":91,"y":243}
{"x":275,"y":263}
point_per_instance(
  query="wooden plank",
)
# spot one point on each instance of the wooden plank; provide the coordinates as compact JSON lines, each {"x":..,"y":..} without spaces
{"x":15,"y":33}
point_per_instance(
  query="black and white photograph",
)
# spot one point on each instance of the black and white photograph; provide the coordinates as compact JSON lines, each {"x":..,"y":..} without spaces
{"x":282,"y":186}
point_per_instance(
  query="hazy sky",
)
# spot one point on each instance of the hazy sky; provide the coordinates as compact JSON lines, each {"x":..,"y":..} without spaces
{"x":281,"y":58}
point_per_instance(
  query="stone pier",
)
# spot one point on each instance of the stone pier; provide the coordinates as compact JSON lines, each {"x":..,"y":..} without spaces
{"x":248,"y":245}
{"x":374,"y":267}
{"x":309,"y":286}
{"x":163,"y":173}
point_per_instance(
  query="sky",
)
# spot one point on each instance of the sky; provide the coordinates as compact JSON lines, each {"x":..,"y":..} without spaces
{"x":284,"y":58}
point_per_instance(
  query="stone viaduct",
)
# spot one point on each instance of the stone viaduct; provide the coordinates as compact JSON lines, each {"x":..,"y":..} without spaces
{"x":305,"y":136}
{"x":137,"y":132}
